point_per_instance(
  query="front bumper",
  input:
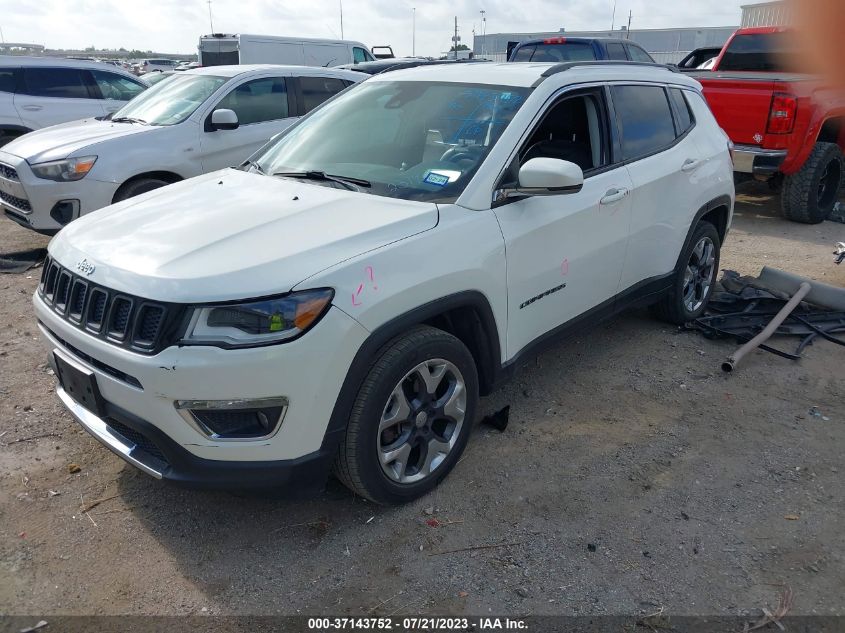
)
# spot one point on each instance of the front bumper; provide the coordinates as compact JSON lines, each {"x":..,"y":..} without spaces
{"x":45,"y":205}
{"x":762,"y":163}
{"x":139,"y":392}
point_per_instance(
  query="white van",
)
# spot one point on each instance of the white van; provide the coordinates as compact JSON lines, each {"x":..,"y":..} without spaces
{"x":221,"y":49}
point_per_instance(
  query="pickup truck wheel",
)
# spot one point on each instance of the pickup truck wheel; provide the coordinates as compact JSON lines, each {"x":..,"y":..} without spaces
{"x":137,"y":187}
{"x":412,"y":418}
{"x":810,"y":195}
{"x":694,"y":279}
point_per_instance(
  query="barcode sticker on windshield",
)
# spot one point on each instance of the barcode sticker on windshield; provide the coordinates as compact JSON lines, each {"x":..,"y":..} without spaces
{"x":438,"y":180}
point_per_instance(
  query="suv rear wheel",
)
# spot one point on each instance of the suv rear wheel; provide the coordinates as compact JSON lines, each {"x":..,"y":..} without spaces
{"x":694,"y":278}
{"x":412,"y":418}
{"x":810,"y":195}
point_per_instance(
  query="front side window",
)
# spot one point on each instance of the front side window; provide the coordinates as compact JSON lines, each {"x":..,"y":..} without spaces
{"x":646,"y":118}
{"x":258,"y":100}
{"x":411,"y":140}
{"x":616,"y":51}
{"x":63,"y":83}
{"x":8,"y":79}
{"x":316,"y":90}
{"x":117,"y":87}
{"x":569,"y":52}
{"x":639,"y":55}
{"x":172,"y":101}
{"x":573,"y":130}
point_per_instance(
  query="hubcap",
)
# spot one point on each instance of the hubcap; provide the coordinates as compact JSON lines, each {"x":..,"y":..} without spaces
{"x":701,"y":270}
{"x":421,"y":421}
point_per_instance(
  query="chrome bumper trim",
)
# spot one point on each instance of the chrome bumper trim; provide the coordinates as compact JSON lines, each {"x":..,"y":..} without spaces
{"x":745,"y":157}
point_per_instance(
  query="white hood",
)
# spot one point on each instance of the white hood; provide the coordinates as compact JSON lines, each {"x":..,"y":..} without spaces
{"x":232,"y":235}
{"x":70,"y":139}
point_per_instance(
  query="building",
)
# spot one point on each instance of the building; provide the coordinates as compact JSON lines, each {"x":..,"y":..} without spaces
{"x":667,"y":46}
{"x":766,"y":14}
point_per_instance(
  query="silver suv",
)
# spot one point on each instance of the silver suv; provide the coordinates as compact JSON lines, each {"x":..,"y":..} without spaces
{"x":37,"y":92}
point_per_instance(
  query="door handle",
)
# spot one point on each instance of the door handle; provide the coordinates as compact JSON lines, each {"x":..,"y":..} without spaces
{"x":614,"y":195}
{"x":32,"y":108}
{"x":691,"y":165}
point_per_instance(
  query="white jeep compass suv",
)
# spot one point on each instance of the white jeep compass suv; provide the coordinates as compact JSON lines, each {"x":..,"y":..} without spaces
{"x":343,"y":300}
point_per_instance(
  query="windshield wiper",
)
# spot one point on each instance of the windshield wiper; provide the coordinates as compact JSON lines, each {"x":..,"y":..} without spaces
{"x":353,"y":184}
{"x":127,"y":119}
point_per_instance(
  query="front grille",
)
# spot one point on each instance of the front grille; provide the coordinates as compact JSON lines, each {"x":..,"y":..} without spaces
{"x":14,"y":201}
{"x":120,"y":319}
{"x":139,"y":439}
{"x":8,"y":172}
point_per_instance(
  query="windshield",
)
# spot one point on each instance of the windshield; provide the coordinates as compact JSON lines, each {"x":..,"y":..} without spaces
{"x":172,"y":101}
{"x":412,"y":140}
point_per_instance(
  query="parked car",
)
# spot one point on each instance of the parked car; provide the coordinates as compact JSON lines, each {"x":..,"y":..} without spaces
{"x":699,"y":57}
{"x":385,"y":65}
{"x":788,"y":128}
{"x":221,"y":48}
{"x":188,"y":66}
{"x":153,"y":78}
{"x":194,"y":122}
{"x":343,"y":301}
{"x":575,"y":49}
{"x":36,"y":92}
{"x":154,"y":66}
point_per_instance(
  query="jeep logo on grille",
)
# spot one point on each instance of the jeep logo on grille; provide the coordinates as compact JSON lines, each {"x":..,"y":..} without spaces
{"x":85,"y":267}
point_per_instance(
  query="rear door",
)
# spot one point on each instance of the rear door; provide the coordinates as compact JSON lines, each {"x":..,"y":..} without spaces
{"x":265,"y":107}
{"x":655,"y":126}
{"x":50,"y":96}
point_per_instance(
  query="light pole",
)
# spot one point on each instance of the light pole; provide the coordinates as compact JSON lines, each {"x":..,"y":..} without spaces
{"x":483,"y":30}
{"x":414,"y":32}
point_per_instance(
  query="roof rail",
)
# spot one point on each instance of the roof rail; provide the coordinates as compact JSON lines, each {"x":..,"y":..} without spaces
{"x":564,"y":66}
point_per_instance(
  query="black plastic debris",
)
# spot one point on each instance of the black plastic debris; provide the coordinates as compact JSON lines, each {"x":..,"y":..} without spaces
{"x":498,"y":420}
{"x":22,"y":261}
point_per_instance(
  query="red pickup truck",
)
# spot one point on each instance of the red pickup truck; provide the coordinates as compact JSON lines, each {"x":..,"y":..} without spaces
{"x":787,"y":127}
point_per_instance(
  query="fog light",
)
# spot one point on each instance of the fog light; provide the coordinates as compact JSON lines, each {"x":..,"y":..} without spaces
{"x":65,"y":211}
{"x":234,"y":419}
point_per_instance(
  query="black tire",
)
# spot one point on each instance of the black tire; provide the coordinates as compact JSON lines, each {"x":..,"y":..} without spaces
{"x":809,"y":196}
{"x":137,"y":187}
{"x":7,"y":136}
{"x":672,"y":308}
{"x":358,"y":465}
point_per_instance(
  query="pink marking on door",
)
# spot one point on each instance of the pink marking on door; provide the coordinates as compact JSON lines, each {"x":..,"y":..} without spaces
{"x":564,"y":268}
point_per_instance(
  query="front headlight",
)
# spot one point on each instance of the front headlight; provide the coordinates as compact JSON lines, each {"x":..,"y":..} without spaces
{"x":259,"y":322}
{"x":65,"y":170}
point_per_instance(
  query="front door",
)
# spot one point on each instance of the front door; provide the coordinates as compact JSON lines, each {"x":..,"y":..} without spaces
{"x":565,"y":252}
{"x":264,"y":109}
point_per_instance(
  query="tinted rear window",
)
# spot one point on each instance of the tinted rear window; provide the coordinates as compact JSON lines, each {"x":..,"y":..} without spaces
{"x":568,"y":52}
{"x":7,"y":79}
{"x":647,"y":124}
{"x":763,"y":51}
{"x":65,"y":83}
{"x":616,"y":51}
{"x":315,"y":90}
{"x":684,"y":118}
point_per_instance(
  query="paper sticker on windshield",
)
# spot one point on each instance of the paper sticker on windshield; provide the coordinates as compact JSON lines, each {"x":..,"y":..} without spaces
{"x":438,"y":180}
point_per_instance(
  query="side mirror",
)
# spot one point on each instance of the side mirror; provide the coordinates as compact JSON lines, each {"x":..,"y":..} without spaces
{"x":224,"y":119}
{"x":545,"y":177}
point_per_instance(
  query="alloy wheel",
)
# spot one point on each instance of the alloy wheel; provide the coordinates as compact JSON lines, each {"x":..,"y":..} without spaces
{"x":421,"y":421}
{"x":700,"y":272}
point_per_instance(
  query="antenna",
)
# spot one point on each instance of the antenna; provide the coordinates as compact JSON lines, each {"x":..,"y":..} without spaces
{"x":210,"y":19}
{"x":341,"y":19}
{"x":630,"y":17}
{"x":613,"y":19}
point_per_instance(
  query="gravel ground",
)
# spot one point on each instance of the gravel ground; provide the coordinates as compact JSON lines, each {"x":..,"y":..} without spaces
{"x":634,"y":475}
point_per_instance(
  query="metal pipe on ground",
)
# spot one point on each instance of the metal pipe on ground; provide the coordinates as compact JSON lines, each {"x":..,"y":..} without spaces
{"x":803,"y":290}
{"x":821,"y":295}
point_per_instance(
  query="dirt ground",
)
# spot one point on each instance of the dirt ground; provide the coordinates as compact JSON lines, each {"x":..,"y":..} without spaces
{"x":634,"y":475}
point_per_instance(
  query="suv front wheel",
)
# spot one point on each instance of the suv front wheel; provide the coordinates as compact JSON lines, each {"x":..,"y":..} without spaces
{"x":694,"y":278}
{"x":412,"y":418}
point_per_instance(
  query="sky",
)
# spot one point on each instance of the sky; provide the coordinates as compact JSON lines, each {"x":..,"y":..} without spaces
{"x":174,"y":26}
